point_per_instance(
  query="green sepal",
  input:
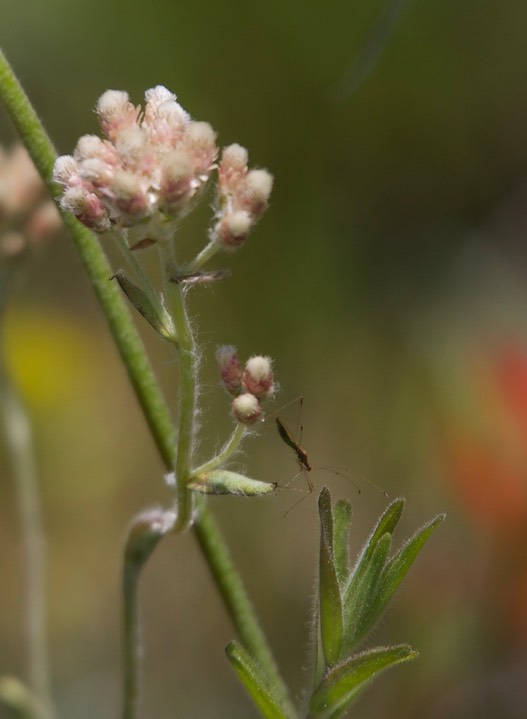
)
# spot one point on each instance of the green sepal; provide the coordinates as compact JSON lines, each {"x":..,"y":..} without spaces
{"x":342,"y":684}
{"x":222,"y":481}
{"x":256,"y":683}
{"x":20,"y":699}
{"x":397,"y":567}
{"x":155,"y":316}
{"x":362,"y":592}
{"x":330,"y":601}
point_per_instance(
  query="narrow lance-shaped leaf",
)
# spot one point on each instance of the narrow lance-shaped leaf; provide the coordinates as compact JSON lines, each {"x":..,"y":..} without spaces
{"x":386,"y":525}
{"x":362,"y":594}
{"x":256,"y":683}
{"x":398,"y":566}
{"x":330,"y":602}
{"x":325,"y":511}
{"x":222,"y":481}
{"x":342,"y":685}
{"x":342,"y":523}
{"x":140,"y":300}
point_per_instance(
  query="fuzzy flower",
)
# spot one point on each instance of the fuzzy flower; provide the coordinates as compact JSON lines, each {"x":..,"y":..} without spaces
{"x":149,"y":168}
{"x":246,"y":408}
{"x":257,"y":377}
{"x":243,"y":196}
{"x":230,"y":368}
{"x":145,"y":170}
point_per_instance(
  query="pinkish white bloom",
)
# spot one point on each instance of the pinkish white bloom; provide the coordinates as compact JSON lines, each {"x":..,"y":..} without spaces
{"x":230,"y":368}
{"x":246,"y":408}
{"x":258,"y":377}
{"x":149,"y":168}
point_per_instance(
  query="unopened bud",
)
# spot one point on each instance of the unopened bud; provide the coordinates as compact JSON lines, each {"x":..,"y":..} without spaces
{"x":232,"y":230}
{"x":246,"y":408}
{"x":86,"y":207}
{"x":130,"y":195}
{"x":256,"y":191}
{"x":116,"y":112}
{"x":65,"y":169}
{"x":257,"y":376}
{"x":230,"y":368}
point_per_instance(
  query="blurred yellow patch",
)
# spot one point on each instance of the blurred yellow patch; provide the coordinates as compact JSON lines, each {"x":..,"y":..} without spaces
{"x":49,"y":356}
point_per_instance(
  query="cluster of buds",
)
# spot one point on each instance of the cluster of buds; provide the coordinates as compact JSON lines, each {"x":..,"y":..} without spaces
{"x":149,"y":169}
{"x":243,"y":196}
{"x":249,"y":385}
{"x":27,"y":216}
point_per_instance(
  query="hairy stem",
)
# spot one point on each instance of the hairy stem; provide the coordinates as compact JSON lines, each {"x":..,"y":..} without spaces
{"x":187,"y":404}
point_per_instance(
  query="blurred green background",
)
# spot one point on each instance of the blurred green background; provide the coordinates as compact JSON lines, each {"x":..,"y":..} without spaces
{"x":388,"y":280}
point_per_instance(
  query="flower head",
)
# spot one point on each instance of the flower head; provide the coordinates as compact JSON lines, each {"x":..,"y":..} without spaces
{"x":149,"y":168}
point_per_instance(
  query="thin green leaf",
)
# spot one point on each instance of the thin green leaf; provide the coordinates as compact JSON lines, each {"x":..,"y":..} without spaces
{"x":140,"y":300}
{"x":330,"y":600}
{"x":398,"y":566}
{"x":325,"y":512}
{"x":341,"y":686}
{"x":362,"y":592}
{"x":386,"y":524}
{"x":221,"y":481}
{"x":342,"y":523}
{"x":256,"y":683}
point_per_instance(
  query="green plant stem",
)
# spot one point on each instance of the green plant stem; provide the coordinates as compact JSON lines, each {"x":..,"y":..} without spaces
{"x":19,"y":443}
{"x":187,"y":404}
{"x":142,"y":378}
{"x":226,"y":453}
{"x":236,"y":602}
{"x":204,"y":256}
{"x":145,"y":532}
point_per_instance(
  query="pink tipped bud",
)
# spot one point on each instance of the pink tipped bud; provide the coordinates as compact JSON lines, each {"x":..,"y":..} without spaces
{"x":130,"y":195}
{"x":233,"y":167}
{"x":65,"y":170}
{"x":176,"y":178}
{"x":116,"y":112}
{"x":257,"y":376}
{"x":230,"y":368}
{"x":232,"y":230}
{"x":201,"y":139}
{"x":86,"y":207}
{"x":255,"y":191}
{"x":132,"y":148}
{"x":246,"y":408}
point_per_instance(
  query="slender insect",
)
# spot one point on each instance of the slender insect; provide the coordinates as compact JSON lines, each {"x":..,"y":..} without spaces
{"x":305,"y":466}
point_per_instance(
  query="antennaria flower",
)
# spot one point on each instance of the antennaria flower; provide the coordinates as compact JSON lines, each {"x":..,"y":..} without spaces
{"x":150,"y":167}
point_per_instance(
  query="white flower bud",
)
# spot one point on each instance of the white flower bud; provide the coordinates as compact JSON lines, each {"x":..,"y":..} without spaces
{"x":115,"y":112}
{"x":86,"y":207}
{"x":246,"y":408}
{"x":232,"y":230}
{"x":130,"y":194}
{"x":257,"y":377}
{"x":65,"y":169}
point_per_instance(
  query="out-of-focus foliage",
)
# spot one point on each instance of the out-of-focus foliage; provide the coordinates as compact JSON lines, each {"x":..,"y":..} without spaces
{"x":388,"y":281}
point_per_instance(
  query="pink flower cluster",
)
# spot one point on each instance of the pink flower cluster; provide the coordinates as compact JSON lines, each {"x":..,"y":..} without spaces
{"x":249,"y":385}
{"x":151,"y":166}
